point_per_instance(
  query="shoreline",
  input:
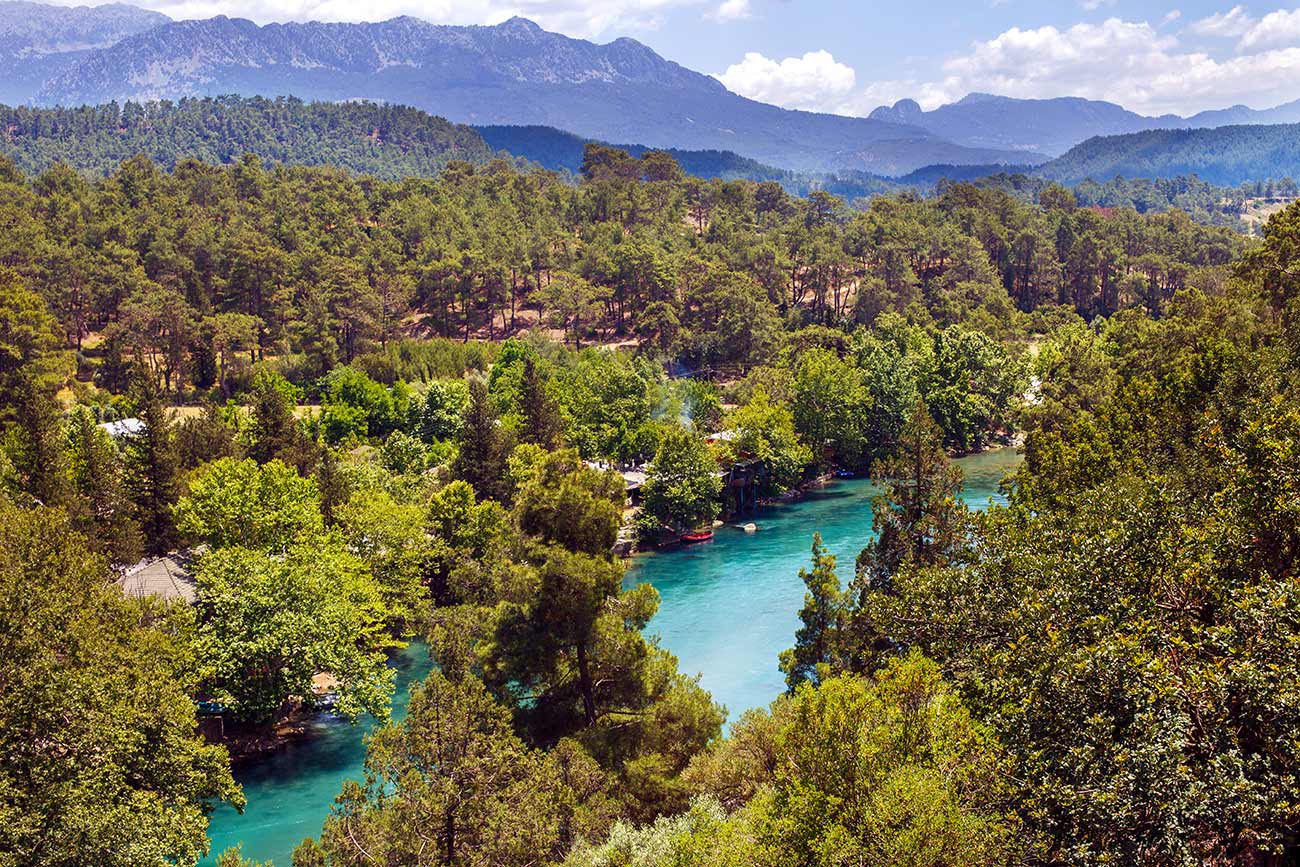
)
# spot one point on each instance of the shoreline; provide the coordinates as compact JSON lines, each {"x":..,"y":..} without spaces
{"x":797,"y":493}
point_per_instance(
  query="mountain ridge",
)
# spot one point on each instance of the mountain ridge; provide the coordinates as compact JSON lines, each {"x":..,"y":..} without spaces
{"x":1226,"y":155}
{"x":514,"y":73}
{"x":1051,"y":127}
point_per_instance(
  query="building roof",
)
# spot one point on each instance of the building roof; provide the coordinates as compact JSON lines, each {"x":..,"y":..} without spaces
{"x":166,"y":577}
{"x":123,"y":427}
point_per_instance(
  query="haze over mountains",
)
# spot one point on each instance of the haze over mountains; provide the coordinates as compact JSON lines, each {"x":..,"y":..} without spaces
{"x":38,"y":42}
{"x":1051,"y":127}
{"x":518,"y":75}
{"x":513,"y":73}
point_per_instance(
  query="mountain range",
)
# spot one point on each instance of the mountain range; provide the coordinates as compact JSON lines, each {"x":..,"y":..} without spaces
{"x":512,"y":73}
{"x":40,"y":42}
{"x":512,"y":79}
{"x":1050,"y":127}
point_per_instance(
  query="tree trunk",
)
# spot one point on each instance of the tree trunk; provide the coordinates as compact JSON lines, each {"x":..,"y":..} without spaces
{"x":584,"y":681}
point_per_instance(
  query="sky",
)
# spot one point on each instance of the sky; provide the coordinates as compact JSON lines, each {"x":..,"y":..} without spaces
{"x":849,"y":56}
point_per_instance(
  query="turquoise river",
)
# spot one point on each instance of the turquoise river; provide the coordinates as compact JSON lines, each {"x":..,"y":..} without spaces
{"x":728,"y":608}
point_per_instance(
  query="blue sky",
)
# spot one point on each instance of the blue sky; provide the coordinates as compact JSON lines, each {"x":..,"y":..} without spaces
{"x":848,"y":56}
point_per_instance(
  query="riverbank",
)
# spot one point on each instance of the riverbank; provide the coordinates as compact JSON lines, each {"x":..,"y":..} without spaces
{"x":629,"y":544}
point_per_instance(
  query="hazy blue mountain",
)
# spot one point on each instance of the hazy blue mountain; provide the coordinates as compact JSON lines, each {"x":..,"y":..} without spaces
{"x":1053,"y":126}
{"x":1240,"y":114}
{"x":514,"y":73}
{"x":1227,"y":155}
{"x":37,"y":42}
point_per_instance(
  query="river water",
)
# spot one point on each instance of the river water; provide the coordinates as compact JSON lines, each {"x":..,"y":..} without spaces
{"x":729,"y":607}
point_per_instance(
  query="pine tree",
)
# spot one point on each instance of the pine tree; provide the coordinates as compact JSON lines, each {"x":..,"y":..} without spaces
{"x":542,"y":423}
{"x":36,"y":447}
{"x":96,"y":475}
{"x":815,"y":643}
{"x":919,"y":518}
{"x":481,"y":460}
{"x":152,"y":470}
{"x":276,"y":433}
{"x":332,"y":484}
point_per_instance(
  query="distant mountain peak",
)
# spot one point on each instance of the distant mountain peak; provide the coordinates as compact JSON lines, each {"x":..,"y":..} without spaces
{"x":975,"y":97}
{"x":520,"y":24}
{"x":905,"y":111}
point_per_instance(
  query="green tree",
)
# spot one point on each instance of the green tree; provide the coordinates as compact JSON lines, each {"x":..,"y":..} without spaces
{"x":267,"y":507}
{"x":483,"y":446}
{"x":36,"y":444}
{"x":683,"y":484}
{"x":275,"y":432}
{"x":570,"y":301}
{"x":815,"y":648}
{"x":152,"y":471}
{"x":918,"y":519}
{"x":541,"y":422}
{"x":442,"y":412}
{"x":100,"y":759}
{"x":765,"y":431}
{"x":830,"y":406}
{"x":95,"y":473}
{"x":886,"y":771}
{"x":450,"y":785}
{"x":392,"y":538}
{"x":271,"y":622}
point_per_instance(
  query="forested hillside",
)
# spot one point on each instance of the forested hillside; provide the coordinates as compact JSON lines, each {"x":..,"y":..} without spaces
{"x":711,"y":272}
{"x":1204,"y":202}
{"x":562,"y":151}
{"x":381,"y":140}
{"x":1227,"y":155}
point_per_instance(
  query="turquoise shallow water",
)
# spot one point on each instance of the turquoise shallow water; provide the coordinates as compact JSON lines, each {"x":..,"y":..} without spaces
{"x":728,"y":608}
{"x":290,"y":792}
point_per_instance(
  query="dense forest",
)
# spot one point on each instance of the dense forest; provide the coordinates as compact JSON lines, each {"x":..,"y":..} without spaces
{"x":1227,"y":155}
{"x":386,"y":141}
{"x":395,"y":142}
{"x":373,"y":411}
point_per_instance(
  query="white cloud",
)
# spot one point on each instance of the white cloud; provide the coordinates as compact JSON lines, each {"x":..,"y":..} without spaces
{"x":1280,"y":28}
{"x":1171,"y":16}
{"x":1125,"y":62}
{"x":1229,"y":25}
{"x":731,"y":10}
{"x":815,"y":82}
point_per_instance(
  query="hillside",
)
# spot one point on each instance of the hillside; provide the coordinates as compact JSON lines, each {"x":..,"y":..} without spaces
{"x":1228,"y":155}
{"x":385,"y":141}
{"x":558,"y":150}
{"x":514,"y":73}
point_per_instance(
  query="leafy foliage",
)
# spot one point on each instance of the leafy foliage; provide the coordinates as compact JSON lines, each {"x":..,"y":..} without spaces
{"x":99,"y":757}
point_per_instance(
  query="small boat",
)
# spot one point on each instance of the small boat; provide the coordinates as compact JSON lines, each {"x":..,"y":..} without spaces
{"x":697,"y":536}
{"x":845,"y":474}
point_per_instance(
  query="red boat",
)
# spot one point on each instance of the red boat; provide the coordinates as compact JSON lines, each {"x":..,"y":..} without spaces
{"x":697,"y":536}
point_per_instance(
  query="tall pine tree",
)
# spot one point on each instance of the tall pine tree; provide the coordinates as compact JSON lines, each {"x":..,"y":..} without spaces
{"x":816,"y":642}
{"x":481,"y":459}
{"x":542,"y":423}
{"x":152,"y":470}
